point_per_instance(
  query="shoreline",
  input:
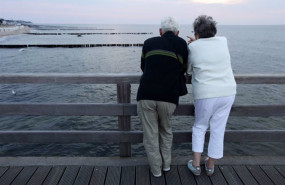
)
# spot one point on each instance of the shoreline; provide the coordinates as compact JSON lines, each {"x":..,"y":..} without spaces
{"x":14,"y":30}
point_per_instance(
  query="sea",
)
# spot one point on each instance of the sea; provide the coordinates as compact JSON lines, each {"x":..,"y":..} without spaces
{"x":253,"y":49}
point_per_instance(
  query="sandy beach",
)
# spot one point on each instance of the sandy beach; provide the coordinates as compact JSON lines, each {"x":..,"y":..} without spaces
{"x":13,"y":30}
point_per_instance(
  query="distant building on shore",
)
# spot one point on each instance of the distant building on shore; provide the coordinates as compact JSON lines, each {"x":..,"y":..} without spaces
{"x":2,"y":21}
{"x":14,"y":22}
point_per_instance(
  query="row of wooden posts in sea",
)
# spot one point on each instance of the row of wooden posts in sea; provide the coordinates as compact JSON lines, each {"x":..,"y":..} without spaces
{"x":99,"y":33}
{"x":68,"y":45}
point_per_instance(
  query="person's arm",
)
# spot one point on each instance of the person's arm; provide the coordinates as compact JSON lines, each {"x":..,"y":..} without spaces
{"x":185,"y":60}
{"x":189,"y":65}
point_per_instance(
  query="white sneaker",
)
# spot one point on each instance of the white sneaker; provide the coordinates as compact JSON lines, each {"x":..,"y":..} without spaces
{"x":158,"y":175}
{"x":166,"y":169}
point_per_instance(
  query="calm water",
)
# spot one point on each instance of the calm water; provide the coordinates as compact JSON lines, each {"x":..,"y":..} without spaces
{"x":254,"y":49}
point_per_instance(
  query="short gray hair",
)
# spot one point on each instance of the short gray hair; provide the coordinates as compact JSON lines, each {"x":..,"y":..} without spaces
{"x":169,"y":24}
{"x":205,"y":26}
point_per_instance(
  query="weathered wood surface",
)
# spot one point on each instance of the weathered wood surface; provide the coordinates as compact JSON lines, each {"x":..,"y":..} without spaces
{"x":114,"y":78}
{"x":65,"y":137}
{"x":124,"y":96}
{"x":139,"y":175}
{"x":264,"y":161}
{"x":124,"y":109}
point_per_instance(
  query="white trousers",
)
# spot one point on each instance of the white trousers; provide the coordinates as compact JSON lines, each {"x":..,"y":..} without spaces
{"x":213,"y":112}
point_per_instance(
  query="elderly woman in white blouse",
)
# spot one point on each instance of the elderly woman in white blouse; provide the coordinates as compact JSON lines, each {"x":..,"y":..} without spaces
{"x":214,"y":90}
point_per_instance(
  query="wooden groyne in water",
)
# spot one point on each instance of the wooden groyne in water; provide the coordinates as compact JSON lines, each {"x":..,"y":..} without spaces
{"x":68,"y":45}
{"x":112,"y":33}
{"x":70,"y":29}
{"x":131,"y":171}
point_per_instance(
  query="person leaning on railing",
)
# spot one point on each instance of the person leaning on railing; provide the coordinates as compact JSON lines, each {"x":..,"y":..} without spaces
{"x":160,"y":86}
{"x":214,"y":89}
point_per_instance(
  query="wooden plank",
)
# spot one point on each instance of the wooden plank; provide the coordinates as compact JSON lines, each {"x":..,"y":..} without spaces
{"x":84,"y":175}
{"x":130,"y":136}
{"x":281,"y":170}
{"x":91,"y":78}
{"x":61,"y":109}
{"x":142,"y":175}
{"x":237,"y":110}
{"x":24,"y":175}
{"x":69,"y":175}
{"x":255,"y":136}
{"x":3,"y":170}
{"x":124,"y":96}
{"x":217,"y":178}
{"x":128,"y":176}
{"x":54,"y":175}
{"x":273,"y":174}
{"x":258,"y":110}
{"x":10,"y":175}
{"x":259,"y":175}
{"x":157,"y":180}
{"x":68,"y":78}
{"x":124,"y":110}
{"x":186,"y":176}
{"x":98,"y":176}
{"x":260,"y":78}
{"x":39,"y":176}
{"x":113,"y":175}
{"x":245,"y":175}
{"x":230,"y":175}
{"x":203,"y":179}
{"x":172,"y":176}
{"x":69,"y":136}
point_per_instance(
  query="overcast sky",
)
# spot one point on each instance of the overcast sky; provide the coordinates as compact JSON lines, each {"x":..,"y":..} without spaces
{"x":225,"y":12}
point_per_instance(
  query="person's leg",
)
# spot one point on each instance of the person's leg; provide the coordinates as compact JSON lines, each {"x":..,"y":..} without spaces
{"x":217,"y":128}
{"x":203,"y":113}
{"x":149,"y":118}
{"x":165,"y":111}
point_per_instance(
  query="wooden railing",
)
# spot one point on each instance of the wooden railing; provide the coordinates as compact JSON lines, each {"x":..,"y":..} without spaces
{"x":124,"y":110}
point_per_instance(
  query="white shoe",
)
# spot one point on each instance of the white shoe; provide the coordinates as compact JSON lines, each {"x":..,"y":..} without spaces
{"x":166,"y":169}
{"x":158,"y":175}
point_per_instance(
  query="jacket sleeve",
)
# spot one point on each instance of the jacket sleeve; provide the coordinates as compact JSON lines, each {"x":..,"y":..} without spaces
{"x":189,"y":65}
{"x":185,"y":60}
{"x":142,"y":59}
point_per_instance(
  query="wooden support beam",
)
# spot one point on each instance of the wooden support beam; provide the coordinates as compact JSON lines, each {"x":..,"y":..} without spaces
{"x":65,"y":137}
{"x":124,"y":96}
{"x":124,"y":109}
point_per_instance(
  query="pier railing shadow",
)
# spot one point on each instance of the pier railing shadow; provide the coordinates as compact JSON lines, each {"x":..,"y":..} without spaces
{"x":124,"y":109}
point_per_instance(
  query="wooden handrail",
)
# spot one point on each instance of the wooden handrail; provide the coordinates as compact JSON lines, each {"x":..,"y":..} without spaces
{"x":111,"y":78}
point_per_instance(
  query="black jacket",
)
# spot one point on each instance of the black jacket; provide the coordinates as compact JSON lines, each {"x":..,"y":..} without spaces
{"x":161,"y":69}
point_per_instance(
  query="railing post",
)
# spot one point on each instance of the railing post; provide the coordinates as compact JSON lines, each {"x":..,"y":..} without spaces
{"x":124,"y":96}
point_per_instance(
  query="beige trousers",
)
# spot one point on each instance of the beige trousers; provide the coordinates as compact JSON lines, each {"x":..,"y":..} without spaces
{"x":155,"y":117}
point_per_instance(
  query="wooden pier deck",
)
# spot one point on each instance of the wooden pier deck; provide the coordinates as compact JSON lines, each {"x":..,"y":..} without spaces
{"x":134,"y":173}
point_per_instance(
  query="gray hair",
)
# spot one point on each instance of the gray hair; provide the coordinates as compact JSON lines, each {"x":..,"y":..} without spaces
{"x":205,"y":26}
{"x":169,"y":24}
